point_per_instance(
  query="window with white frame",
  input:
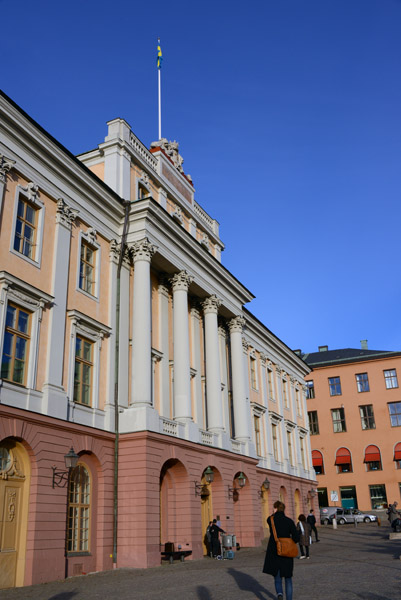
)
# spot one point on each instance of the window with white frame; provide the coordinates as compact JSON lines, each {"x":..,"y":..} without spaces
{"x":256,"y":426}
{"x":390,"y":378}
{"x":298,"y":401}
{"x":78,"y":528}
{"x":289,"y":444}
{"x":89,"y":263}
{"x":275,"y":441}
{"x":254,"y":379}
{"x":87,"y":336}
{"x":27,"y":227}
{"x":21,"y":307}
{"x":285,"y":392}
{"x":270,"y":383}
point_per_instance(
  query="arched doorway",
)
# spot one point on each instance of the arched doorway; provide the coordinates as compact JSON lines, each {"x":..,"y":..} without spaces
{"x":175,"y":514}
{"x":265,"y":499}
{"x":297,"y":502}
{"x":14,"y":491}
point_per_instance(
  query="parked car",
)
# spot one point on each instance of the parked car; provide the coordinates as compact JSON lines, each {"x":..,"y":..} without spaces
{"x":345,"y":515}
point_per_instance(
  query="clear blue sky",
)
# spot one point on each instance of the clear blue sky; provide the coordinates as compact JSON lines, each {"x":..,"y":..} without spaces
{"x":288,"y":115}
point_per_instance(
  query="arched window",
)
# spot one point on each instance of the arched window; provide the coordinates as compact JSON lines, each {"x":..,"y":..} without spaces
{"x":372,"y":459}
{"x":397,"y":455}
{"x":343,"y":461}
{"x":317,"y":461}
{"x":78,"y":510}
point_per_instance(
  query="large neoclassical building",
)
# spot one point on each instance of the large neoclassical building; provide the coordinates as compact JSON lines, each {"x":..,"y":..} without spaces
{"x":112,"y":286}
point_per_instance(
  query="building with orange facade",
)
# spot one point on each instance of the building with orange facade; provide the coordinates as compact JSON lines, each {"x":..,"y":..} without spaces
{"x":137,"y":353}
{"x":354,"y":410}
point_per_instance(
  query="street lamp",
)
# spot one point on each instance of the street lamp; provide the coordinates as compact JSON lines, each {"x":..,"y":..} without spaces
{"x":60,"y":478}
{"x":200,"y":488}
{"x":233,"y":490}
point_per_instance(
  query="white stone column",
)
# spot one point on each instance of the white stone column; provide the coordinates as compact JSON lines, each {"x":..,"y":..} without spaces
{"x":200,"y":417}
{"x":238,"y":382}
{"x":141,"y":383}
{"x":54,"y":395}
{"x":5,"y":165}
{"x":224,"y":376}
{"x":164,"y":370}
{"x":182,"y":377}
{"x":212,"y":358}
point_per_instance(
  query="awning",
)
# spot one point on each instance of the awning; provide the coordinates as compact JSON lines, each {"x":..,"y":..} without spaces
{"x":397,"y":452}
{"x":317,"y":458}
{"x":343,"y":457}
{"x":372,"y":454}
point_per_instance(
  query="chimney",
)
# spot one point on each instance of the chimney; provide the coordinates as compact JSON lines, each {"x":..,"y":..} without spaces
{"x":298,"y":351}
{"x":364,"y":344}
{"x":323,"y":348}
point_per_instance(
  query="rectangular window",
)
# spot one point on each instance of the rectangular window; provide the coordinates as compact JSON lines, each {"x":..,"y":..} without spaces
{"x":338,"y":416}
{"x":78,"y":510}
{"x":285,"y":393}
{"x":367,"y":416}
{"x":254,"y":381}
{"x":390,"y":378}
{"x":313,"y":422}
{"x":87,"y":269}
{"x":378,"y":496}
{"x":374,"y":465}
{"x":335,"y":386}
{"x":302,"y":447}
{"x":83,"y":371}
{"x":256,"y":424}
{"x":16,"y":345}
{"x":25,"y":228}
{"x":275,"y":442}
{"x":310,"y":390}
{"x":362,"y":382}
{"x":394,"y":408}
{"x":298,"y":402}
{"x":270,"y":383}
{"x":289,"y":442}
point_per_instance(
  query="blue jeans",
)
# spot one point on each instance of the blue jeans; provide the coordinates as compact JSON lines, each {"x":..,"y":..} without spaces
{"x":279,"y":586}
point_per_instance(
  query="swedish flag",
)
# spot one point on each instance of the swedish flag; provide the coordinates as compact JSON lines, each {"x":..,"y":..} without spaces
{"x":159,"y":56}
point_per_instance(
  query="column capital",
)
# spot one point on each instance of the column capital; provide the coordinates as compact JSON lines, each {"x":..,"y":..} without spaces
{"x":181,"y":281}
{"x":211,"y":304}
{"x":195,"y":308}
{"x":236,"y":324}
{"x":114,"y":253}
{"x":263,"y":359}
{"x":5,"y":165}
{"x":65,"y":215}
{"x":245,"y":345}
{"x":164,"y":285}
{"x":143,"y":250}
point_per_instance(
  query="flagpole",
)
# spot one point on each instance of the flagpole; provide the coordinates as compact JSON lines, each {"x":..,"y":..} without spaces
{"x":159,"y":64}
{"x":160,"y":105}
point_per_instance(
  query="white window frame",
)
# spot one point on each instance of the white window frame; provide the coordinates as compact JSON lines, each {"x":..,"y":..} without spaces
{"x":258,"y":410}
{"x":275,"y":419}
{"x":32,"y":300}
{"x":252,"y":358}
{"x":89,"y":237}
{"x":30,"y":194}
{"x":94,"y":332}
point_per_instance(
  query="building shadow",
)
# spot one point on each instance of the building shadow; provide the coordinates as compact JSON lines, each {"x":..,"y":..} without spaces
{"x":203,"y":593}
{"x":63,"y":596}
{"x":247,"y":583}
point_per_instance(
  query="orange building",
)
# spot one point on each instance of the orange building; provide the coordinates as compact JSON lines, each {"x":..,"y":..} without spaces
{"x":354,"y":410}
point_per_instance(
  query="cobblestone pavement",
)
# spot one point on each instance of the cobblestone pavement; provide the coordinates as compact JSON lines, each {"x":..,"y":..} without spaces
{"x":348,"y":563}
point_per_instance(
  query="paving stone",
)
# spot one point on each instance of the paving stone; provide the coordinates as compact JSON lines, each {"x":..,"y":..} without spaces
{"x":347,"y":564}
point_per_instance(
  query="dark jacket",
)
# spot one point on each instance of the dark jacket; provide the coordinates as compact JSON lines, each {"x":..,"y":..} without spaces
{"x":285,"y":527}
{"x":311,"y":519}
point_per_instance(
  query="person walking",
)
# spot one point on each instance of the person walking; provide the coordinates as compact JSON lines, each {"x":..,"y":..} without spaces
{"x":311,"y":519}
{"x":280,"y":566}
{"x":208,"y":539}
{"x":214,"y":538}
{"x":304,"y":530}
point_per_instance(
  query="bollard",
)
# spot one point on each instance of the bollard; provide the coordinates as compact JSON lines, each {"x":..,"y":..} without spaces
{"x":356,"y":522}
{"x":379,"y":522}
{"x":334,"y":523}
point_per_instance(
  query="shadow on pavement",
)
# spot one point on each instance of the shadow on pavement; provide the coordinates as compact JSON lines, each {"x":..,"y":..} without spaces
{"x":249,"y":584}
{"x":203,"y":593}
{"x":63,"y":596}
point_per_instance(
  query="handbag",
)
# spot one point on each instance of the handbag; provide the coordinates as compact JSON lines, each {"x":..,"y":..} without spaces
{"x":285,"y":546}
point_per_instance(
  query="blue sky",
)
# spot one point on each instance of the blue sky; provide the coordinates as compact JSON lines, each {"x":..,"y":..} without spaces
{"x":288,"y":115}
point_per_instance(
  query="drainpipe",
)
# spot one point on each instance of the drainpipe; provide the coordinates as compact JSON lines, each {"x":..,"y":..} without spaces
{"x":127,"y":205}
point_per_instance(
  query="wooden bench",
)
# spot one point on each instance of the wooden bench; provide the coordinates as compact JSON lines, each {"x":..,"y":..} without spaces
{"x":175,"y":555}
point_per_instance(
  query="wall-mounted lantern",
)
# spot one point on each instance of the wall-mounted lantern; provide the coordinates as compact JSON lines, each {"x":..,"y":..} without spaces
{"x":60,"y":478}
{"x":200,"y":487}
